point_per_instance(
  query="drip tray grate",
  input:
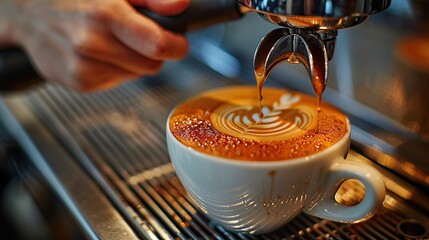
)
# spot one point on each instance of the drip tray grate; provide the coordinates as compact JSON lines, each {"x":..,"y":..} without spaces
{"x":121,"y":134}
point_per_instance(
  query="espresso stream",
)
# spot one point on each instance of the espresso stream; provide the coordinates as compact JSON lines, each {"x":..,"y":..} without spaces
{"x":227,"y":122}
{"x":318,"y":81}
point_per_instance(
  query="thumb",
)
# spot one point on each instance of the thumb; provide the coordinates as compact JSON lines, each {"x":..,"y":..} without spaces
{"x":163,"y":7}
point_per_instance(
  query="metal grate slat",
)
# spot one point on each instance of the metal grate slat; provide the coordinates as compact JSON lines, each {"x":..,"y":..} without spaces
{"x":145,"y":197}
{"x":125,"y":190}
{"x":125,"y":195}
{"x":321,"y":229}
{"x":310,"y":227}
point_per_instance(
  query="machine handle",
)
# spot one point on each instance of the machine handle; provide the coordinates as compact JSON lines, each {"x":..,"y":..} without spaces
{"x":200,"y":14}
{"x":17,"y":72}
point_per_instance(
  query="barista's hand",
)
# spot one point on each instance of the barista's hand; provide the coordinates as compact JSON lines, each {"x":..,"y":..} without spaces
{"x":94,"y":44}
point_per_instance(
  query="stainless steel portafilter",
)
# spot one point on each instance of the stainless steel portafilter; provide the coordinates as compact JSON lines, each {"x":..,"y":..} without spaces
{"x":308,"y":33}
{"x":319,"y":14}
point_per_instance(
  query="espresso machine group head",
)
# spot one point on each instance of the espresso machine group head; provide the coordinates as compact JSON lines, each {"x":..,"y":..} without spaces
{"x":308,"y":32}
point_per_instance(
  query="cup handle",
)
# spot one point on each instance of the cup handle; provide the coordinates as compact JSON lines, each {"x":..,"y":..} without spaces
{"x":327,"y":207}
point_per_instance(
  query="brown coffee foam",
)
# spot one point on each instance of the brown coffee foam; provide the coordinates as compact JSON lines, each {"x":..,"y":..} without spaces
{"x":192,"y":124}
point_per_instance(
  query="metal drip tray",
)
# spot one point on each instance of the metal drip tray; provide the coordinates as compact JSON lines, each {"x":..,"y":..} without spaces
{"x":118,"y":138}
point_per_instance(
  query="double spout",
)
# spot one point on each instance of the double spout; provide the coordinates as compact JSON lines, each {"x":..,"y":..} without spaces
{"x":307,"y":34}
{"x":295,"y":46}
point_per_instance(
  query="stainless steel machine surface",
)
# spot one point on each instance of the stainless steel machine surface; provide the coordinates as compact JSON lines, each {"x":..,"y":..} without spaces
{"x":104,"y":154}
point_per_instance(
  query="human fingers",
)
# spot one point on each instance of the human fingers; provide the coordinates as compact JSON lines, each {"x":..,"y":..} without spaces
{"x":147,"y":37}
{"x":164,"y":7}
{"x":106,"y":48}
{"x":87,"y":74}
{"x":60,"y":63}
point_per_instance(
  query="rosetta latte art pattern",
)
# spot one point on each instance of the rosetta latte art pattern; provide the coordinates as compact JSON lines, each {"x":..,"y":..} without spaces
{"x":279,"y":121}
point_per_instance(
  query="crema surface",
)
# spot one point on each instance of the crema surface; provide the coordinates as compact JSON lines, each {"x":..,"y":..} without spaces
{"x":227,"y":123}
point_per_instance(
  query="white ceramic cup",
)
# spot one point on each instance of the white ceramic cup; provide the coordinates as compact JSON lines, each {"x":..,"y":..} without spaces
{"x":259,"y":197}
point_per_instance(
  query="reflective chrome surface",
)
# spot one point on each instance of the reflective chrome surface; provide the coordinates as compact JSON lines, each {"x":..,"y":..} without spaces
{"x":330,"y":14}
{"x":292,"y":46}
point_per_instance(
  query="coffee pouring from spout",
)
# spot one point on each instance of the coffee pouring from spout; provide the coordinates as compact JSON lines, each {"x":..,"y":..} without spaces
{"x":308,"y":32}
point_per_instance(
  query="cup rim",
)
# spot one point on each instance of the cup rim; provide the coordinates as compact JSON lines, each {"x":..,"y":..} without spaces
{"x":240,"y":162}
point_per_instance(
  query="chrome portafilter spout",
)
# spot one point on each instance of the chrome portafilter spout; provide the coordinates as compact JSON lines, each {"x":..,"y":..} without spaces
{"x":293,"y":46}
{"x":308,"y":33}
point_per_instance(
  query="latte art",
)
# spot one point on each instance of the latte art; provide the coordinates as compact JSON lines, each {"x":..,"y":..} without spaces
{"x":278,"y":122}
{"x":226,"y":122}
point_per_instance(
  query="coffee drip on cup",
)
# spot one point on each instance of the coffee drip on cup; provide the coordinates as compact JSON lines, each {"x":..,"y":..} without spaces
{"x":307,"y":36}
